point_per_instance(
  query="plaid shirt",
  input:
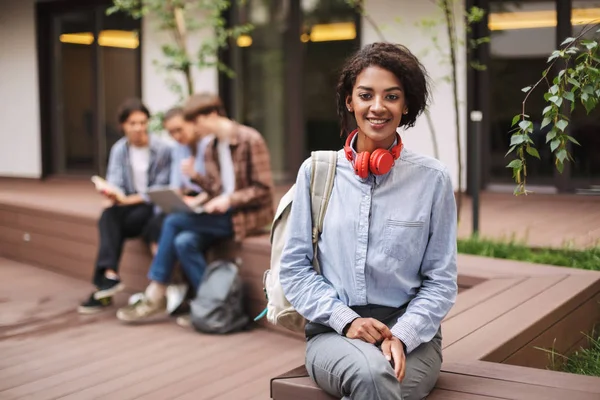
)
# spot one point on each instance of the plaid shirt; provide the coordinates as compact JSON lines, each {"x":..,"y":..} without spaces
{"x":252,"y":200}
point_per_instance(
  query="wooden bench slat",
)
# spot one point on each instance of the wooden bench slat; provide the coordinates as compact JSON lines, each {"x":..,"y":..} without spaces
{"x":462,"y":326}
{"x":480,"y":293}
{"x":502,"y":388}
{"x":533,"y":376}
{"x":524,"y":322}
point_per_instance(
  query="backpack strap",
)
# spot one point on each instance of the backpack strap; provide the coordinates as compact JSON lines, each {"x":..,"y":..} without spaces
{"x":321,"y":185}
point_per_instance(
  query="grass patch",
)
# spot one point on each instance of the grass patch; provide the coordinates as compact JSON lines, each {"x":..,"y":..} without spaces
{"x":585,"y":361}
{"x":510,"y":250}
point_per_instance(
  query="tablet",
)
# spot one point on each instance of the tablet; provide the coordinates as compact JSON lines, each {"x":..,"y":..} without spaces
{"x":169,"y":201}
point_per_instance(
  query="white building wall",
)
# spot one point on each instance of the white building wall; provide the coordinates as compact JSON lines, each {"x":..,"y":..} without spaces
{"x":397,"y":20}
{"x":20,"y":142}
{"x":155,"y":92}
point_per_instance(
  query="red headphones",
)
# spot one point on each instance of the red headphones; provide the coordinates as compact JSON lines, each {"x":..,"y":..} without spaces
{"x":378,"y":163}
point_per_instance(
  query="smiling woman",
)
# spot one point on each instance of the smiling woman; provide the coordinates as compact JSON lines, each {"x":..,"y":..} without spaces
{"x":379,"y":301}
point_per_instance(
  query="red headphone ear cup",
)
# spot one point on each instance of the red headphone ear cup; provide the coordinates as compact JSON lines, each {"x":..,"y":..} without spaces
{"x":381,"y":162}
{"x":361,"y":164}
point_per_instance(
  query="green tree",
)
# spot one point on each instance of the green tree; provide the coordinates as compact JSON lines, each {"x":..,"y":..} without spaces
{"x":572,"y":79}
{"x":181,"y":18}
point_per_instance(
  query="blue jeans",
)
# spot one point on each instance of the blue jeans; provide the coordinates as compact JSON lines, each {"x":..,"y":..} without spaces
{"x":185,"y":237}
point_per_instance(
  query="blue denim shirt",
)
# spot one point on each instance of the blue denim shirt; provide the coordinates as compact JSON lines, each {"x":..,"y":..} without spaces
{"x":119,"y":167}
{"x":387,"y":240}
{"x":181,"y":152}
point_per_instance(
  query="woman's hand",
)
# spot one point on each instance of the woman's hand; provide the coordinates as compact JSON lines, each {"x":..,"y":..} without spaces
{"x":194,"y":201}
{"x":369,"y":330}
{"x":393,"y":350}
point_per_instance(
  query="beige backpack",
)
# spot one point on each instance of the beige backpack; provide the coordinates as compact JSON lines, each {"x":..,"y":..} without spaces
{"x":279,"y":311}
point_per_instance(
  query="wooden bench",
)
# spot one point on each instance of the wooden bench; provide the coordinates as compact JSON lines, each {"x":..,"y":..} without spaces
{"x":467,"y":381}
{"x":492,"y":336}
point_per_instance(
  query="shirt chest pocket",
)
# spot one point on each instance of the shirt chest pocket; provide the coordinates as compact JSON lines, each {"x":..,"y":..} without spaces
{"x":402,"y":239}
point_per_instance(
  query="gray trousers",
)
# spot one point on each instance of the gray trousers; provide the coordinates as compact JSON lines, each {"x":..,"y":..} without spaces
{"x":357,"y":370}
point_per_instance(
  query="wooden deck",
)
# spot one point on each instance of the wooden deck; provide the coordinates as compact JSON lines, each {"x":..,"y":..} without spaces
{"x":48,"y":351}
{"x":504,"y":310}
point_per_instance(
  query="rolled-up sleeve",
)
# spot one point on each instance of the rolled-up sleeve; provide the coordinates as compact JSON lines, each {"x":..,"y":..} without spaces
{"x":308,"y":292}
{"x":437,"y":294}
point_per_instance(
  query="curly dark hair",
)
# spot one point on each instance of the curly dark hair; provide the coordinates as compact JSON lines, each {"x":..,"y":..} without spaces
{"x":401,"y":62}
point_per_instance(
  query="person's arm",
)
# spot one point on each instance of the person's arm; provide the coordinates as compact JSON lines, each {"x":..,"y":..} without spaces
{"x":175,"y":177}
{"x":310,"y":294}
{"x":161,"y":179}
{"x":210,"y":181}
{"x":261,"y":179}
{"x":116,"y":161}
{"x":437,"y":294}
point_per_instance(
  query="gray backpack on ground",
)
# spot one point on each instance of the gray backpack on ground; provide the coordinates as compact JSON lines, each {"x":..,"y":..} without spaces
{"x":219,"y":303}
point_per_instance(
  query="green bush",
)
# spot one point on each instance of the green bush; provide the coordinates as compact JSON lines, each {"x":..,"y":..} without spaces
{"x":510,"y":250}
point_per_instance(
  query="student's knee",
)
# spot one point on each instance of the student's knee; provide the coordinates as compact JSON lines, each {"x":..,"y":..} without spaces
{"x":185,"y":242}
{"x":375,"y":378}
{"x":108,"y":214}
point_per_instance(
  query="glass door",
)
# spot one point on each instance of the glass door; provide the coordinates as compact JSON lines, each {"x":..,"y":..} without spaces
{"x":93,"y":66}
{"x":523,"y":34}
{"x":73,"y":114}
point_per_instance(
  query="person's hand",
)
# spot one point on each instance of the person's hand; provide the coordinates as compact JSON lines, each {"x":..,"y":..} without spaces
{"x":369,"y":330}
{"x":187,"y":167}
{"x":108,"y":203}
{"x":393,"y":350}
{"x":218,"y":205}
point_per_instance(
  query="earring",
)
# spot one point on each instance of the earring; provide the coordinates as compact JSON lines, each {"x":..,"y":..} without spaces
{"x":405,"y":112}
{"x":349,"y":109}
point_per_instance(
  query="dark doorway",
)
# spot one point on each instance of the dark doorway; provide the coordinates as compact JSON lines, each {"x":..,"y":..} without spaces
{"x":89,"y":63}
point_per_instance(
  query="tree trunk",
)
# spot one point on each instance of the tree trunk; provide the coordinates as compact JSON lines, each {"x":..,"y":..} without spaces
{"x":449,"y":14}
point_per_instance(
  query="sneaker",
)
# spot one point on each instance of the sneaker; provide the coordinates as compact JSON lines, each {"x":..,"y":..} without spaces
{"x":93,"y":306}
{"x":142,"y":310}
{"x":184,"y":321}
{"x":108,"y":288}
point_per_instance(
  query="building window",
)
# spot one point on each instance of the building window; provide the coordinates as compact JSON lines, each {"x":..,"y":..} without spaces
{"x":286,"y":72}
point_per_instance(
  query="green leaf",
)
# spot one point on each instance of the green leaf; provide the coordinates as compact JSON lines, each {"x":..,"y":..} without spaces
{"x":547,"y":109}
{"x":546,"y":121}
{"x":561,"y":155}
{"x":551,"y":135}
{"x":554,"y":144}
{"x":574,"y":82}
{"x":515,"y":164}
{"x":510,"y":150}
{"x":526,"y":125}
{"x":562,"y":124}
{"x":556,"y":100}
{"x":516,"y":140}
{"x":573,"y":140}
{"x":554,"y":55}
{"x":554,"y":89}
{"x":567,"y":41}
{"x":532,"y":151}
{"x":526,"y":89}
{"x":515,"y":119}
{"x":560,"y":167}
{"x":589,"y":44}
{"x":569,"y":96}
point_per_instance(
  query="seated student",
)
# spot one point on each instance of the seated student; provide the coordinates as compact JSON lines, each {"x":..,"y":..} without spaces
{"x":238,"y":188}
{"x":388,"y":246}
{"x":189,"y":150}
{"x":137,"y":162}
